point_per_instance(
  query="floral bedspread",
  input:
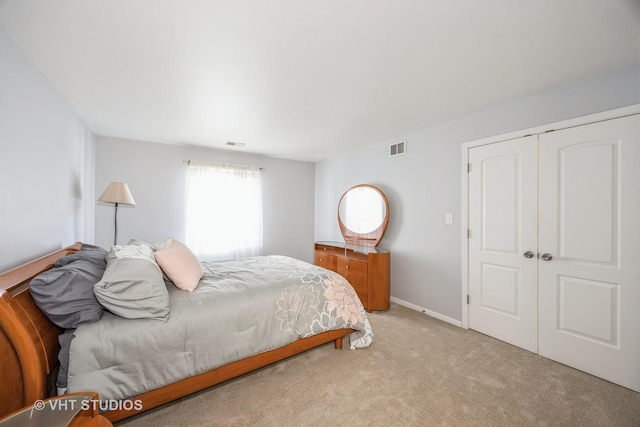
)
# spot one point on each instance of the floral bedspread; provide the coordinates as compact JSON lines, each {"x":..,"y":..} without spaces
{"x":239,"y":309}
{"x":321,"y":300}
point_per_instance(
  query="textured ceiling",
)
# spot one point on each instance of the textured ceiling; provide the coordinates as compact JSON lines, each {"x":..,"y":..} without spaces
{"x":303,"y":79}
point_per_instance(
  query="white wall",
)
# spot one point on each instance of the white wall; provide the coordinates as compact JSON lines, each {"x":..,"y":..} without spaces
{"x":46,"y":164}
{"x":157,"y":178}
{"x":425,"y":184}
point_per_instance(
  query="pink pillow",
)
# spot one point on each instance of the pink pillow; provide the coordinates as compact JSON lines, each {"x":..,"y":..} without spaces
{"x":180,"y":265}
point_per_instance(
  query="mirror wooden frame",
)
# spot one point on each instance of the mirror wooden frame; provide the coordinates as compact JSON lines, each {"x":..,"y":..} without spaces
{"x":373,"y":238}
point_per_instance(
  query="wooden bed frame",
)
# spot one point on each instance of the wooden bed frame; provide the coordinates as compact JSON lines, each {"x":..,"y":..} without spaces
{"x":29,"y":349}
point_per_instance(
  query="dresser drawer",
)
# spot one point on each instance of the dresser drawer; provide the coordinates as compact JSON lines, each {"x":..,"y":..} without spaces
{"x":356,"y":273}
{"x":361,"y":286}
{"x":325,"y":260}
{"x":351,"y":268}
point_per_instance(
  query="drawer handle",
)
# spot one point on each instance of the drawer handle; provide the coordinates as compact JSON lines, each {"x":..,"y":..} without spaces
{"x":347,"y":267}
{"x":321,"y":259}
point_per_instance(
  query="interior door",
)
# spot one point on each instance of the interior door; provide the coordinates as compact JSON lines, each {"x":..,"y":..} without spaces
{"x":502,"y":241}
{"x":589,"y":238}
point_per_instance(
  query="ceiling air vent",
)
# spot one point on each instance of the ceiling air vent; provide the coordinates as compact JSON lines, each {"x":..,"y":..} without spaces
{"x":235,"y":144}
{"x":398,"y":148}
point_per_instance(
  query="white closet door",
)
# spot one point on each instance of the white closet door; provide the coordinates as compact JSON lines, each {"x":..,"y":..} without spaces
{"x":502,"y":222}
{"x":589,"y":211}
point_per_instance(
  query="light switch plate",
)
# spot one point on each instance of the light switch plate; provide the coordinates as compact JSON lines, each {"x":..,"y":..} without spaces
{"x":448,"y":218}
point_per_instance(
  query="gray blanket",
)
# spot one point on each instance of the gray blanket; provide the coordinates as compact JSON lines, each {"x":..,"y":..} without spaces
{"x":240,"y":308}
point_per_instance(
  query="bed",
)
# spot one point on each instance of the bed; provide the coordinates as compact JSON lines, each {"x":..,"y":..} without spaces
{"x":29,"y":339}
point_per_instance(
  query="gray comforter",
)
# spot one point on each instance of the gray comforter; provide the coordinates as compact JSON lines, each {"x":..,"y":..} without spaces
{"x":240,"y":308}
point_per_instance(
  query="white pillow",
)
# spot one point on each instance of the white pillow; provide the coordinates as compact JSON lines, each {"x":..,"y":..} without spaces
{"x":132,"y":285}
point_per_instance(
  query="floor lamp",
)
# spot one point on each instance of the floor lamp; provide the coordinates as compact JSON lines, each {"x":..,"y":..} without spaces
{"x":119,"y":194}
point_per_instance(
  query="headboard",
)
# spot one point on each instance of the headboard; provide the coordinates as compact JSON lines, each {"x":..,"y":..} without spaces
{"x":28,"y":340}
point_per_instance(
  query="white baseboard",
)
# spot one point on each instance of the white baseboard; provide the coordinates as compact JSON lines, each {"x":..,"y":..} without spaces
{"x":427,"y":312}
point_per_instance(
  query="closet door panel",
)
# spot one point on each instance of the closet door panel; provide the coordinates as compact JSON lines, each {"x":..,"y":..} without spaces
{"x":588,"y":277}
{"x":502,"y":206}
{"x":588,"y":211}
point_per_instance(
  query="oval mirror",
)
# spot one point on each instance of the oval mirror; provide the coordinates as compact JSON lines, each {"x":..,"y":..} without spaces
{"x":363,"y":215}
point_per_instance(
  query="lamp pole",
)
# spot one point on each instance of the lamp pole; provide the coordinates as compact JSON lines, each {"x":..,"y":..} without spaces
{"x":115,"y":226}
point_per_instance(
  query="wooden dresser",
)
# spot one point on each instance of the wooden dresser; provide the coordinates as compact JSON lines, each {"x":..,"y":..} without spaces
{"x":366,"y":268}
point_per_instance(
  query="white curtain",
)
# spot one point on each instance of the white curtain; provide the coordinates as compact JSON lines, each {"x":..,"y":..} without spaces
{"x":224,"y":211}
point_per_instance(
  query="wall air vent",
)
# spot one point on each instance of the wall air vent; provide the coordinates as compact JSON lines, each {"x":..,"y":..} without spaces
{"x":398,"y":148}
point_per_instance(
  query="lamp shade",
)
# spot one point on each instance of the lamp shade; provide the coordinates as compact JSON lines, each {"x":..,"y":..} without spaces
{"x":117,"y":192}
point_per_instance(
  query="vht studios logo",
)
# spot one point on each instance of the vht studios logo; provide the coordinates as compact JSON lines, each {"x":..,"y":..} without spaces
{"x":86,"y":405}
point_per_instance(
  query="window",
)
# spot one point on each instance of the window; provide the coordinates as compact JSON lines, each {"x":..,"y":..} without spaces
{"x":224,"y":211}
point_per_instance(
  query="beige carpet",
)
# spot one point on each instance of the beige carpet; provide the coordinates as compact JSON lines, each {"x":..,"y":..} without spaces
{"x":418,"y":372}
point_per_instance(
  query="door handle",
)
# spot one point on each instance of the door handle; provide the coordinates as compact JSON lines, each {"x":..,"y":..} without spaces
{"x":546,"y":257}
{"x":528,"y":254}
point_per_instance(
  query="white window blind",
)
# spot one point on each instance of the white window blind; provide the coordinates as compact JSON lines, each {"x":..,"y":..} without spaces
{"x":224,"y":211}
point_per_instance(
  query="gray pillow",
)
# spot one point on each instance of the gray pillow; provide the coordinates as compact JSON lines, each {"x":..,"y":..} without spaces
{"x":89,"y":253}
{"x":63,"y":356}
{"x":65,"y":292}
{"x":132,"y":285}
